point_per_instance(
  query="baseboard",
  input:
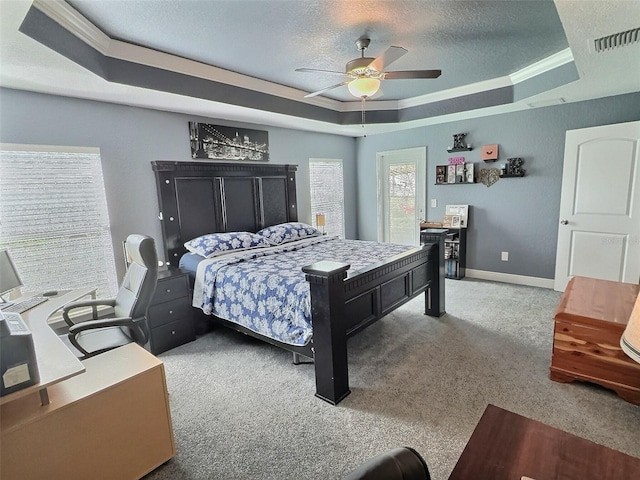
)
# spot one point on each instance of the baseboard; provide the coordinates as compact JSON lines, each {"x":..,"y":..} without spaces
{"x":510,"y":278}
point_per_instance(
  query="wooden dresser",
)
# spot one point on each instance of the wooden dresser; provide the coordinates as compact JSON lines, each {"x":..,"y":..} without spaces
{"x":586,"y":341}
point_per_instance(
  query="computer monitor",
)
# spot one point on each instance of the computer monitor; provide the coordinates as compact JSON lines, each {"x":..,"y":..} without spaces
{"x":9,"y":278}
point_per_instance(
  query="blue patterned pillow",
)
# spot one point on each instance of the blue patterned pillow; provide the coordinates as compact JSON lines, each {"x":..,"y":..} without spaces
{"x":214,"y":244}
{"x":288,"y":232}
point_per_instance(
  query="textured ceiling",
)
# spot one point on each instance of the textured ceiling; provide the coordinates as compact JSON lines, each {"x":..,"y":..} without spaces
{"x":469,"y":41}
{"x":495,"y":56}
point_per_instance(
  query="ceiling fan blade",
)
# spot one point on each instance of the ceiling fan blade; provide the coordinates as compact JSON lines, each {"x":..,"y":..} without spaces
{"x":389,"y":56}
{"x":402,"y":74}
{"x":326,"y":89}
{"x":315,"y":70}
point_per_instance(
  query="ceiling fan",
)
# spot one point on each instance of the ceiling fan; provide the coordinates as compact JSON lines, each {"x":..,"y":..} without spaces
{"x":364,"y":74}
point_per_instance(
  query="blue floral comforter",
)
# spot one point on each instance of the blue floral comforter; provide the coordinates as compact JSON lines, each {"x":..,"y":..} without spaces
{"x":265,"y":290}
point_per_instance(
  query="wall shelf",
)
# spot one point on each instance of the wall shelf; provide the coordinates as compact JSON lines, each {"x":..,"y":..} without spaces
{"x":460,"y":183}
{"x":465,"y":149}
{"x":455,"y":248}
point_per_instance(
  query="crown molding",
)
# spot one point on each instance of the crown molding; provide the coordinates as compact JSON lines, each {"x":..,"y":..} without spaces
{"x":78,"y":25}
{"x":165,"y":61}
{"x":74,"y":22}
{"x":461,"y":91}
{"x":545,"y":65}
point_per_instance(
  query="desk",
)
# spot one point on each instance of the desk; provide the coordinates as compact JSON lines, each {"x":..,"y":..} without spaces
{"x":111,"y":422}
{"x":106,"y":417}
{"x":507,"y":446}
{"x":55,"y":361}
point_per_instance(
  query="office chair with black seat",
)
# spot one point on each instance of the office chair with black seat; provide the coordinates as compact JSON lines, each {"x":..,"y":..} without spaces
{"x":129,"y":322}
{"x":402,"y":463}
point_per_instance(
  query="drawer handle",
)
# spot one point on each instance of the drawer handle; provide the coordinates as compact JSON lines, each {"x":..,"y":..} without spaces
{"x":170,"y":312}
{"x":168,"y":290}
{"x":173,"y":332}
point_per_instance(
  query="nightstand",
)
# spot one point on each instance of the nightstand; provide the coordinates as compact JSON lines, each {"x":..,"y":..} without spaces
{"x":170,"y":315}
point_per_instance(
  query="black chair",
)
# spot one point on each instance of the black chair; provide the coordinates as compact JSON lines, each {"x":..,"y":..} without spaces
{"x":129,"y":322}
{"x":399,"y":464}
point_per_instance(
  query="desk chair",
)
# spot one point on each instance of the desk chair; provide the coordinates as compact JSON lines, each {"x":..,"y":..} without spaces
{"x":129,"y":324}
{"x":398,"y":464}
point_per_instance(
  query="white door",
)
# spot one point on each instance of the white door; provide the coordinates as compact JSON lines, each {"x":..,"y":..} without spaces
{"x":402,"y":192}
{"x":599,"y":231}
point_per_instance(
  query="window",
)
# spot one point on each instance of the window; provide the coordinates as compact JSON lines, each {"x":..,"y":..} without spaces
{"x":327,"y":193}
{"x":54,"y":219}
{"x":401,"y":194}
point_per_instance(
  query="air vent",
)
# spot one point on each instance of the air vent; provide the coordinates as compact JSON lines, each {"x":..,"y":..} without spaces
{"x":620,"y":39}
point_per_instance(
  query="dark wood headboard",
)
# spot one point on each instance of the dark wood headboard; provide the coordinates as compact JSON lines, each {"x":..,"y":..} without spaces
{"x":202,"y":197}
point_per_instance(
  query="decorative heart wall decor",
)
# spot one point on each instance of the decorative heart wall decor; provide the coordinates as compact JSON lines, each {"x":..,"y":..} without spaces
{"x":489,"y":176}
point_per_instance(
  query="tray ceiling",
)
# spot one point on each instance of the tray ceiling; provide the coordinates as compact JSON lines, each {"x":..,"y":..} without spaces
{"x":237,"y":59}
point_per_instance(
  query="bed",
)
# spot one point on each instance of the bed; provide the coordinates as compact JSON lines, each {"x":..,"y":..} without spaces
{"x":200,"y":198}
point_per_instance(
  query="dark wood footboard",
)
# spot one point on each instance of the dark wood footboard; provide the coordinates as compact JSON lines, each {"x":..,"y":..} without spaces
{"x":343,"y":305}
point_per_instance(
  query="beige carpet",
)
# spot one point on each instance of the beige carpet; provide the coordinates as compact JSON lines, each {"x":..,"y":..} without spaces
{"x":241,"y":410}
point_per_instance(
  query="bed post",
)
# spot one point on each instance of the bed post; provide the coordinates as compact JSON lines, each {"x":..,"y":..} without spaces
{"x":434,"y":296}
{"x":329,"y":333}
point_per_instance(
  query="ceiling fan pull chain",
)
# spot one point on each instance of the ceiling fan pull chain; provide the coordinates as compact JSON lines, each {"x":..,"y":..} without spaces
{"x":363,"y":99}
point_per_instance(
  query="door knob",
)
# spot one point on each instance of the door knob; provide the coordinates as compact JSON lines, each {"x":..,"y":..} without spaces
{"x":564,"y":222}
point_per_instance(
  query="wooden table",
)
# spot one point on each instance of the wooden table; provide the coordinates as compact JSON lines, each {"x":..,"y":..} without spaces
{"x":56,"y":362}
{"x":589,"y":322}
{"x":508,"y":446}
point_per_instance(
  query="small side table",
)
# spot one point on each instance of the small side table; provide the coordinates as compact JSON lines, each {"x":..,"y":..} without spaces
{"x":586,"y":340}
{"x":170,"y":315}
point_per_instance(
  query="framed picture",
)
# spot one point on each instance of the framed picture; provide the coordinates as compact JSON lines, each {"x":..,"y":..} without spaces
{"x":490,"y":153}
{"x":451,"y":174}
{"x":217,"y":142}
{"x":461,"y":210}
{"x":441,"y":174}
{"x":460,"y":177}
{"x":469,"y":172}
{"x":455,"y":221}
{"x":446,"y":221}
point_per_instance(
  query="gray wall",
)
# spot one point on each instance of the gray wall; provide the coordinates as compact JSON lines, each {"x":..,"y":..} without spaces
{"x":130,"y":138}
{"x":517,"y":215}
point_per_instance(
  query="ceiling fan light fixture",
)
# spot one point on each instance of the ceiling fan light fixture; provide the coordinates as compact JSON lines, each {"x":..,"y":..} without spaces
{"x":364,"y":87}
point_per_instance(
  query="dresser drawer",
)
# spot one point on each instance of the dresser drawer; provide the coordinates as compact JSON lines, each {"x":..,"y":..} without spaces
{"x":170,"y":288}
{"x":172,"y":335}
{"x":168,"y":311}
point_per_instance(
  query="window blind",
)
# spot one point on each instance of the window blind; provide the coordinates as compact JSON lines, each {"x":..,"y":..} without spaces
{"x":54,"y":219}
{"x":327,"y":193}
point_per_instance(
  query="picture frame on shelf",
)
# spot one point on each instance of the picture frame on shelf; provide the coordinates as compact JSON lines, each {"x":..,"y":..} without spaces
{"x":490,"y":153}
{"x":461,"y":210}
{"x":455,"y":221}
{"x":469,"y":173}
{"x":460,"y":176}
{"x":451,"y":174}
{"x":441,"y":174}
{"x":446,"y":221}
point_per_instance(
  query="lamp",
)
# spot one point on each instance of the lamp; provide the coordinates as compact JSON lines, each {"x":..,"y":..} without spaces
{"x":364,"y":87}
{"x":320,"y":221}
{"x":630,"y":340}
